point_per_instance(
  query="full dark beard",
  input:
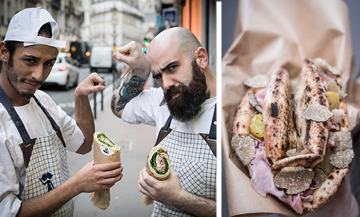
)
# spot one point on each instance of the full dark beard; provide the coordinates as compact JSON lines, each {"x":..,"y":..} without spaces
{"x":13,"y":79}
{"x":188,"y":104}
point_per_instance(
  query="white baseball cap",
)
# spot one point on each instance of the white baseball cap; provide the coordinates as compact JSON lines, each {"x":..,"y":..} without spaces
{"x":25,"y":26}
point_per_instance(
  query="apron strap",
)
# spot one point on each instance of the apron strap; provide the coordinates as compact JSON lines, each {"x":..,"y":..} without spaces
{"x":28,"y":144}
{"x":210,"y":138}
{"x":165,"y":130}
{"x":53,"y":123}
{"x":212,"y":133}
{"x":15,"y":118}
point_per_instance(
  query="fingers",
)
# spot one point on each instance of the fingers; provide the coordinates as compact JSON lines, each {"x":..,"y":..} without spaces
{"x":142,"y":184}
{"x":127,"y":49}
{"x":98,"y":84}
{"x":97,"y":79}
{"x":146,"y":181}
{"x":93,"y":83}
{"x":127,"y":53}
{"x":109,"y":173}
{"x":109,"y":166}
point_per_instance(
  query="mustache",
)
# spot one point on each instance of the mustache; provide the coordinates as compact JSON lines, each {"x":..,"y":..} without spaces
{"x":33,"y":81}
{"x":173,"y":90}
{"x":170,"y":92}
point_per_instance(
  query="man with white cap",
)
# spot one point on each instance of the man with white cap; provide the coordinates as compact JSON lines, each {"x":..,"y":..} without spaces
{"x":35,"y":132}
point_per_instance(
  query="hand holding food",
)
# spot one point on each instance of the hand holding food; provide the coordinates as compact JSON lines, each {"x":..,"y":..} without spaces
{"x":105,"y":151}
{"x":157,"y":165}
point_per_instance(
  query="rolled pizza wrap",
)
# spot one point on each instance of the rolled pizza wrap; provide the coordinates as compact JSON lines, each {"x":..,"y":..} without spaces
{"x":157,"y":165}
{"x":105,"y":151}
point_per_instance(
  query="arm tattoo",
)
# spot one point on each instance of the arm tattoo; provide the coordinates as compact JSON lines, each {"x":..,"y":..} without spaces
{"x":130,"y":86}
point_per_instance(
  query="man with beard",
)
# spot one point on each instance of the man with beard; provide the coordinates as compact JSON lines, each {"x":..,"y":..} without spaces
{"x":185,"y":110}
{"x":35,"y":132}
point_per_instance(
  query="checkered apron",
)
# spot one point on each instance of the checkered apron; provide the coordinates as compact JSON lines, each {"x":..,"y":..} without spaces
{"x":45,"y":160}
{"x":195,"y":164}
{"x":47,"y":169}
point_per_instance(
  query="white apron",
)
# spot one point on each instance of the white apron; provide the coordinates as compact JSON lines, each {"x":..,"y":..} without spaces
{"x":194,"y":162}
{"x":45,"y":160}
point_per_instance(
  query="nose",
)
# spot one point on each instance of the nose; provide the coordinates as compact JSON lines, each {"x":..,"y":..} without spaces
{"x":38,"y":72}
{"x":167,"y":81}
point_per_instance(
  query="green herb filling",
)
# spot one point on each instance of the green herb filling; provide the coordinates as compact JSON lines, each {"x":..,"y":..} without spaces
{"x":105,"y":140}
{"x":154,"y":165}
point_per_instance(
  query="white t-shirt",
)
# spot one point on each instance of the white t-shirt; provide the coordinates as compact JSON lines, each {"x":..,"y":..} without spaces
{"x":37,"y":125}
{"x":146,"y":109}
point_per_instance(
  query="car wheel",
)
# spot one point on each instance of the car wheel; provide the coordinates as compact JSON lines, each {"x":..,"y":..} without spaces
{"x":76,"y":81}
{"x":67,"y":84}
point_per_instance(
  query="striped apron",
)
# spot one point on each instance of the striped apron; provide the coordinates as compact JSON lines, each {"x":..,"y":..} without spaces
{"x":193,"y":157}
{"x":45,"y":160}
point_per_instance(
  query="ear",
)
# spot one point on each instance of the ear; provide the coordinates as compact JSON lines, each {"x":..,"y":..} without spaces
{"x":4,"y":52}
{"x":201,"y":57}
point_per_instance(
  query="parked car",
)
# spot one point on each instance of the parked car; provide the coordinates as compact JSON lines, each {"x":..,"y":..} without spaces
{"x":101,"y":58}
{"x":65,"y":72}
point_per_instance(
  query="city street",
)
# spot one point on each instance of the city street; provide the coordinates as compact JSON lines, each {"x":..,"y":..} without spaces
{"x":65,"y":98}
{"x":135,"y":141}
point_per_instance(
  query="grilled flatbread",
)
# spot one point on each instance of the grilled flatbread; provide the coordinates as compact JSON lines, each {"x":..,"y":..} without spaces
{"x":279,"y":130}
{"x":319,"y":158}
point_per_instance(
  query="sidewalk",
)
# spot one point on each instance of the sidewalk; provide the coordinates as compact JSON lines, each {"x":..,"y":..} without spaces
{"x":136,"y":141}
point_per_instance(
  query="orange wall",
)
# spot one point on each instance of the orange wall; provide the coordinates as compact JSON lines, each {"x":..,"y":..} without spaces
{"x":191,"y":17}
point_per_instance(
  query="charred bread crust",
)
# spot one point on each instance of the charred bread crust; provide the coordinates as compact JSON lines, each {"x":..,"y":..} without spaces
{"x":333,"y":182}
{"x":327,"y":189}
{"x":305,"y":160}
{"x":242,"y":119}
{"x":313,"y":134}
{"x":279,"y":130}
{"x":345,"y":123}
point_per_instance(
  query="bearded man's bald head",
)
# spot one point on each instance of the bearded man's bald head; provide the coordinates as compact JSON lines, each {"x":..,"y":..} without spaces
{"x":185,"y":41}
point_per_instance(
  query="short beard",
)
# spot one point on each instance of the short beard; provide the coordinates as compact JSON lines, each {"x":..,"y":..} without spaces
{"x":188,"y":104}
{"x":12,"y":77}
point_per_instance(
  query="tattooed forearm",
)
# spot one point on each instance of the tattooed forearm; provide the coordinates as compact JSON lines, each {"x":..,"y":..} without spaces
{"x":130,"y":86}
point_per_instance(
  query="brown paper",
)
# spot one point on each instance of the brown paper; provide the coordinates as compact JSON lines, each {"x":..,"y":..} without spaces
{"x":101,"y":199}
{"x":270,"y":34}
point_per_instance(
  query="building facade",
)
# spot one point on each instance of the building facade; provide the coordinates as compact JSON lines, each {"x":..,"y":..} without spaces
{"x":112,"y":23}
{"x":67,"y":13}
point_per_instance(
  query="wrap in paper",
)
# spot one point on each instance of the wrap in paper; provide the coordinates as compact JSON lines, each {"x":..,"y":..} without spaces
{"x":103,"y":154}
{"x":152,"y":170}
{"x":270,"y":34}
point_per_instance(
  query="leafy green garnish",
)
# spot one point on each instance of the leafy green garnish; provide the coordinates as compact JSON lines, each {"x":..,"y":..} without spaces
{"x":154,"y":165}
{"x":105,"y":140}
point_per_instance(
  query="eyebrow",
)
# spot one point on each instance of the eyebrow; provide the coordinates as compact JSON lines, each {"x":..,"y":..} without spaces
{"x":169,"y":64}
{"x":37,"y":58}
{"x":165,"y":67}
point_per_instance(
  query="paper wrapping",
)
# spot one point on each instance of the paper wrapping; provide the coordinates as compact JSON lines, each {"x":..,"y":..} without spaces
{"x":101,"y":199}
{"x":270,"y":34}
